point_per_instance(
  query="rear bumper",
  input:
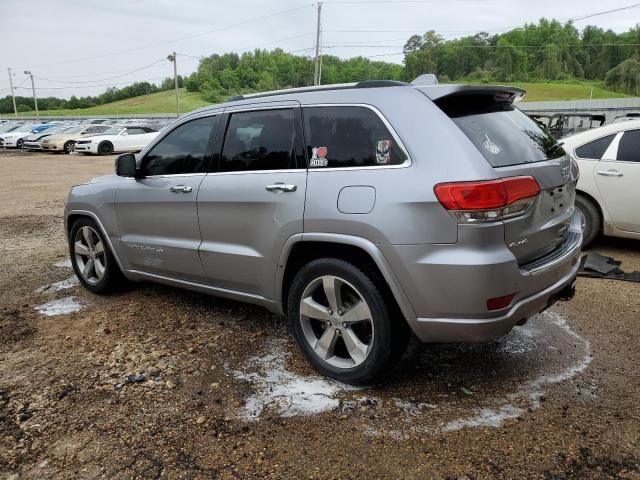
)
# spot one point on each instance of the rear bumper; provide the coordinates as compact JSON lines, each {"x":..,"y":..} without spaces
{"x":479,"y":330}
{"x":448,"y":285}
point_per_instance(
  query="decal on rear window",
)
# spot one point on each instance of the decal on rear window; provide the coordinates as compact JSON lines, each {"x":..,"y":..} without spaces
{"x":490,"y":146}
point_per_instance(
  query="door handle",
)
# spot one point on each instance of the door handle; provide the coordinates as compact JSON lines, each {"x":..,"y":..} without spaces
{"x":610,"y":173}
{"x":281,"y":187}
{"x":181,"y":189}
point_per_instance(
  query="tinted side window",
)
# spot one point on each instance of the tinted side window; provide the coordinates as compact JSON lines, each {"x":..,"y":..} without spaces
{"x":261,"y":140}
{"x":348,"y":137}
{"x":596,"y":148}
{"x":183,"y":150}
{"x":135,"y":131}
{"x":629,"y":147}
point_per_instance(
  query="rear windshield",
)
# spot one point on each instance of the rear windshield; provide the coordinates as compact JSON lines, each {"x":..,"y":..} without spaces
{"x":502,"y":133}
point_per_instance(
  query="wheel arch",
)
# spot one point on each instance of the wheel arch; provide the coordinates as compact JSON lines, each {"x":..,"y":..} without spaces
{"x":74,"y":215}
{"x":302,"y":248}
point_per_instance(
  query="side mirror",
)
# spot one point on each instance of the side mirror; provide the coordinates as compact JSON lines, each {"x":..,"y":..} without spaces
{"x":126,"y":165}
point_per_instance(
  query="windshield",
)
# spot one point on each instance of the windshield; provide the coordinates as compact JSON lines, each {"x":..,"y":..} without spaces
{"x":504,"y":135}
{"x":75,"y":130}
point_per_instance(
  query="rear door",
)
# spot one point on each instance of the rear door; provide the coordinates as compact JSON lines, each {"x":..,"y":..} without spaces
{"x":618,"y":179}
{"x":157,"y":213}
{"x":254,"y":201}
{"x":515,"y":145}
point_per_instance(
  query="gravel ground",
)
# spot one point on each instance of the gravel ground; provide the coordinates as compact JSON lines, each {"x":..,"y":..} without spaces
{"x":154,"y":382}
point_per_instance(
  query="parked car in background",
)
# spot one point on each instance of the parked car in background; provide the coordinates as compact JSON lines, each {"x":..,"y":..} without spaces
{"x":14,"y":138}
{"x":608,"y":192}
{"x":65,"y":142}
{"x":117,"y":139}
{"x":42,"y":127}
{"x":34,"y":140}
{"x":561,"y":124}
{"x":338,"y":207}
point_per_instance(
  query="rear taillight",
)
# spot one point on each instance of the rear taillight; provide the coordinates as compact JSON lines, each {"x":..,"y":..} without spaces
{"x":488,"y":201}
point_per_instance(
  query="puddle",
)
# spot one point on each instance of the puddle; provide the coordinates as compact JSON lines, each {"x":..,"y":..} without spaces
{"x":289,"y":394}
{"x":61,"y":285}
{"x":60,"y":307}
{"x":63,"y":263}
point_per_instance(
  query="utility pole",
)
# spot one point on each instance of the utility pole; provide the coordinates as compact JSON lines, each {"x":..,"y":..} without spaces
{"x":33,"y":89}
{"x":173,"y":58}
{"x":13,"y":96}
{"x":316,"y":73}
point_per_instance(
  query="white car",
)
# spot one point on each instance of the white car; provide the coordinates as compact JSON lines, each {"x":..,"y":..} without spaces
{"x":15,"y":137}
{"x":116,"y":140}
{"x":608,"y":191}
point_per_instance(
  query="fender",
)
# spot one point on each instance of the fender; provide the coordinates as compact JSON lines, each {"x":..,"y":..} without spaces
{"x":369,"y":247}
{"x":92,"y":215}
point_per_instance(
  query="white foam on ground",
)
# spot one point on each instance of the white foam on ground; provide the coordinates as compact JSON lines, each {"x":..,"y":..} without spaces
{"x":63,"y":263}
{"x":61,"y":285}
{"x":290,"y":394}
{"x":60,"y":307}
{"x":530,"y":392}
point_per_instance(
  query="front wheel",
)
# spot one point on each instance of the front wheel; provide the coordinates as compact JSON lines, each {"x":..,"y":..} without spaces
{"x":343,"y":325}
{"x":91,"y":258}
{"x":20,"y":144}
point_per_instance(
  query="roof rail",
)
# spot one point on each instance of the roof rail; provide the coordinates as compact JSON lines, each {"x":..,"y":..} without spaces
{"x":321,"y":88}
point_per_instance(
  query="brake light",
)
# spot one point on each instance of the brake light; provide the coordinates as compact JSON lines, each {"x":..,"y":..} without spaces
{"x":488,"y":200}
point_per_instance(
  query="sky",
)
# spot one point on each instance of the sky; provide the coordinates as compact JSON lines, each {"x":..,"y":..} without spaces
{"x":80,"y":47}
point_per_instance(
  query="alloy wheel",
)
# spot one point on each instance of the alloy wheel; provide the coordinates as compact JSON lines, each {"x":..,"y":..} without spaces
{"x":336,"y":322}
{"x":89,"y":255}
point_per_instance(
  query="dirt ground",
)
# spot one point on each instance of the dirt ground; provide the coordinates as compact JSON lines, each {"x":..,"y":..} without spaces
{"x":154,"y":382}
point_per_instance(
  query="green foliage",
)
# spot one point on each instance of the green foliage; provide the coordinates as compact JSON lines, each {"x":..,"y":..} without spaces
{"x":625,"y":77}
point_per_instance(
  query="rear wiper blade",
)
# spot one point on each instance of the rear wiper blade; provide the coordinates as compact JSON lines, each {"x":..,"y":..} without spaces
{"x":555,"y":147}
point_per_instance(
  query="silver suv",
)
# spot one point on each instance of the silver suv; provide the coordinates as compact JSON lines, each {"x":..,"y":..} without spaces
{"x":361,"y":212}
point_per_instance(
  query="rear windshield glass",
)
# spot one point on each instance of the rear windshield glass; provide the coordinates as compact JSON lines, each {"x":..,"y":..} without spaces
{"x":502,"y":133}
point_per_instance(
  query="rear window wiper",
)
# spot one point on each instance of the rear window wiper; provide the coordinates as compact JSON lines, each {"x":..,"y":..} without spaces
{"x":555,"y":147}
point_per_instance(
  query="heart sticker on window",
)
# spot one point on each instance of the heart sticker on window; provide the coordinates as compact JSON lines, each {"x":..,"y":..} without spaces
{"x":321,"y":152}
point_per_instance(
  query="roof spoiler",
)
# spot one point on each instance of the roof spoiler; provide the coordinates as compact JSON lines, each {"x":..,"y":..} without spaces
{"x":425,"y":79}
{"x":500,"y":92}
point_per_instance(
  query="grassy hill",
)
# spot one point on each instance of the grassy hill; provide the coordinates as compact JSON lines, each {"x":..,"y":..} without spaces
{"x":164,"y":102}
{"x":161,"y":102}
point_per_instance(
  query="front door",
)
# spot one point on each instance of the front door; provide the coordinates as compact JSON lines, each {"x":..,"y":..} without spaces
{"x":157,"y":212}
{"x":618,"y":179}
{"x":254,"y":202}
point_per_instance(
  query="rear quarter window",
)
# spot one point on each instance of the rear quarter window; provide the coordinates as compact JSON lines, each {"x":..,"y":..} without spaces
{"x":500,"y":131}
{"x":349,"y":136}
{"x":595,"y":149}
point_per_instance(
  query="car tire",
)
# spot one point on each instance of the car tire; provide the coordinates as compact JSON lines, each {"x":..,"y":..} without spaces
{"x":91,"y":258}
{"x":68,"y":146}
{"x":592,"y":219}
{"x":105,"y":148}
{"x":20,"y":144}
{"x":358,"y":352}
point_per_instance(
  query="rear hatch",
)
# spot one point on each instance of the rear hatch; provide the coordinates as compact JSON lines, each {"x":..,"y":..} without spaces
{"x":515,"y":145}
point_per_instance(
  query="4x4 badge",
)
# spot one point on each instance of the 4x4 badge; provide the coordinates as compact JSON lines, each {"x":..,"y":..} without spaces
{"x":317,"y":157}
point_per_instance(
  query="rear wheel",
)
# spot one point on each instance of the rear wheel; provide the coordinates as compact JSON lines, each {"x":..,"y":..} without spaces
{"x":341,"y":322}
{"x":92,"y":260}
{"x":592,"y":220}
{"x":68,"y":146}
{"x":105,"y":148}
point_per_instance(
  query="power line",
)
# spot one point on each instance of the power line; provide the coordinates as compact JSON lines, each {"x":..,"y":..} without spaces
{"x":53,"y":80}
{"x":628,"y":7}
{"x":447,"y":45}
{"x":165,"y":42}
{"x":95,"y":86}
